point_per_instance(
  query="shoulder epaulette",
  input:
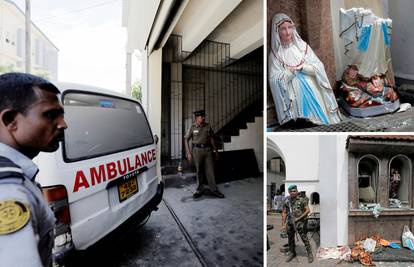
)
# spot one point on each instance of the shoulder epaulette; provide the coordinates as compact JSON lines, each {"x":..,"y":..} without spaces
{"x":8,"y":169}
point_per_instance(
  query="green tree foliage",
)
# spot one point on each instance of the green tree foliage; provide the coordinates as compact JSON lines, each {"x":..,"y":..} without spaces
{"x":12,"y":68}
{"x":136,"y":91}
{"x":42,"y":74}
{"x":8,"y":68}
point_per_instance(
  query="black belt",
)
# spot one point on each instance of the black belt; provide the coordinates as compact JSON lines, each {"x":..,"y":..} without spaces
{"x":201,"y":145}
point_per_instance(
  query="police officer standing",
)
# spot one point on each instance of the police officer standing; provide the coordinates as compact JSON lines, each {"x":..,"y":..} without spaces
{"x":202,"y":150}
{"x":31,"y":120}
{"x":294,"y":220}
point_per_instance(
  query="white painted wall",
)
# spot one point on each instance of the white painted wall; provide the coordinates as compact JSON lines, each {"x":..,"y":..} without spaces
{"x":250,"y":138}
{"x":300,"y":154}
{"x":402,"y":42}
{"x":152,"y":90}
{"x":342,"y":190}
{"x":138,"y":18}
{"x":243,"y":28}
{"x":328,"y":190}
{"x":200,"y":18}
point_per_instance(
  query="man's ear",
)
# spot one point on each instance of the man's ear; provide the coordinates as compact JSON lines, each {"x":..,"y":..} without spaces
{"x":8,"y":118}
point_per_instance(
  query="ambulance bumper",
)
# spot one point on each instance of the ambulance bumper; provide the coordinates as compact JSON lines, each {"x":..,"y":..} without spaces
{"x":61,"y":256}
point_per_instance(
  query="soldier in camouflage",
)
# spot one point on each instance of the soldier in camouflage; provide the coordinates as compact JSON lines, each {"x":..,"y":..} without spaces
{"x":294,"y":220}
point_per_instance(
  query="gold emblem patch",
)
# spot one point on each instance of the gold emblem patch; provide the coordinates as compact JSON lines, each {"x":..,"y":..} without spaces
{"x":13,"y":216}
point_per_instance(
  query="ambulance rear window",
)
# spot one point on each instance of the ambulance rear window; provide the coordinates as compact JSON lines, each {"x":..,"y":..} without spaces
{"x":100,"y":125}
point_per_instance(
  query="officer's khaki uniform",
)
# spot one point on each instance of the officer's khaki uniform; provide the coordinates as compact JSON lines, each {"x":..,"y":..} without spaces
{"x":202,"y":154}
{"x":298,"y":208}
{"x":26,"y":221}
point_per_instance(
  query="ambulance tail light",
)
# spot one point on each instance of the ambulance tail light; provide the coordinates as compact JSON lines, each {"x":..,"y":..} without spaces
{"x":57,"y":197}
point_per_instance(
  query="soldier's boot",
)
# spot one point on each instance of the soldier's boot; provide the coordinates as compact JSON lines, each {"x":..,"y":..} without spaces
{"x":291,"y":256}
{"x":310,"y":256}
{"x":285,"y":248}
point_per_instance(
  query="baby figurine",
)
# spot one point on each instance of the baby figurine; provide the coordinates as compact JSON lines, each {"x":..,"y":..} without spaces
{"x":362,"y":92}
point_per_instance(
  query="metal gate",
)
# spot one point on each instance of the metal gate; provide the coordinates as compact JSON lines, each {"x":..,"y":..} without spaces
{"x":205,"y":79}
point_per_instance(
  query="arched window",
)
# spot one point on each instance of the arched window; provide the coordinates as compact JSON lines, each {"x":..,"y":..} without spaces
{"x":314,"y":202}
{"x":399,"y":181}
{"x":368,"y":179}
{"x":314,"y":198}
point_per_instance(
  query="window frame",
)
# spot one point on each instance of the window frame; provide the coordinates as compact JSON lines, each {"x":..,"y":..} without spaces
{"x":378,"y":162}
{"x":71,"y":91}
{"x":410,"y":177}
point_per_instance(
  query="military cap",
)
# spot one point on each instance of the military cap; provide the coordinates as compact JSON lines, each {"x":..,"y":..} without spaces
{"x":200,"y":113}
{"x":291,"y":187}
{"x":19,"y":79}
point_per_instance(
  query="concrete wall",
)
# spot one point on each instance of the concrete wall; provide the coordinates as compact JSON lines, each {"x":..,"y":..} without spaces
{"x":402,"y":42}
{"x":252,"y":137}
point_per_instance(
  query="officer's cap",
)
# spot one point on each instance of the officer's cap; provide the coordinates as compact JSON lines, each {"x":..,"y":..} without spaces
{"x":291,"y":187}
{"x":18,"y":79}
{"x":200,"y":113}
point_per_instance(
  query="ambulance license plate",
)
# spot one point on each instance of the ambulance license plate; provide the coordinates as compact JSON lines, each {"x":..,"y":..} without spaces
{"x":127,"y":189}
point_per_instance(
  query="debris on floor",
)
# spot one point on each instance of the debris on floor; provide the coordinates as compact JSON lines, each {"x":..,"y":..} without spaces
{"x":365,"y":248}
{"x":338,"y":253}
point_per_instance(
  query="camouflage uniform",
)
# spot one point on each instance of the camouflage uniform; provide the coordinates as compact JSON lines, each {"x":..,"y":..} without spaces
{"x":298,"y":208}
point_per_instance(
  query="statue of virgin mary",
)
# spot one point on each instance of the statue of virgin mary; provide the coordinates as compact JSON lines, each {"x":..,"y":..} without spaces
{"x":297,"y":78}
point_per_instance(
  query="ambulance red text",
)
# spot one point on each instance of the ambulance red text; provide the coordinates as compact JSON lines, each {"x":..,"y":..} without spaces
{"x":111,"y":170}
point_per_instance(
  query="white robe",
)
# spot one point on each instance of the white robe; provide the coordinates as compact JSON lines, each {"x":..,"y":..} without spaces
{"x":306,"y":94}
{"x":366,"y":38}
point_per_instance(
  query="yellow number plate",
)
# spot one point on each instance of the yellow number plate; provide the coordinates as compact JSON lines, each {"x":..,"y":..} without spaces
{"x":127,"y":189}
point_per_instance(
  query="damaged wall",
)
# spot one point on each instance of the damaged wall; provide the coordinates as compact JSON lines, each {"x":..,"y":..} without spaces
{"x":390,"y":223}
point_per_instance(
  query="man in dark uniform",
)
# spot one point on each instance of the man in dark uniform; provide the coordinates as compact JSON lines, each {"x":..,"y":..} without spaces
{"x":202,"y":150}
{"x":294,"y":219}
{"x":31,"y":120}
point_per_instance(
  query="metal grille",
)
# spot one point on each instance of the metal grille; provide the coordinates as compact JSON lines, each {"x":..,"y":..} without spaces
{"x":205,"y":79}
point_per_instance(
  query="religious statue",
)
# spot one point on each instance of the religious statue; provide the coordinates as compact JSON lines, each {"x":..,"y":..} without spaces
{"x":366,"y":38}
{"x":298,"y":81}
{"x":395,"y":181}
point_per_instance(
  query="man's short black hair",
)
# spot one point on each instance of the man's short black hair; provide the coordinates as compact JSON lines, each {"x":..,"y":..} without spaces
{"x":200,"y":113}
{"x":17,"y":90}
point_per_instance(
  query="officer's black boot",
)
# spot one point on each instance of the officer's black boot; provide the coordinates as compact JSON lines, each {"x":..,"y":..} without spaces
{"x":291,"y":256}
{"x":197,"y":194}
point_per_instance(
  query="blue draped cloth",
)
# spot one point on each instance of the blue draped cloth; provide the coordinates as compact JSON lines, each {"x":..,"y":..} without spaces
{"x":309,"y":102}
{"x":364,"y":38}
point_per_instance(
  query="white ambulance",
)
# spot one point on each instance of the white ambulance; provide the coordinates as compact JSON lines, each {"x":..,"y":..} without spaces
{"x":104,"y":172}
